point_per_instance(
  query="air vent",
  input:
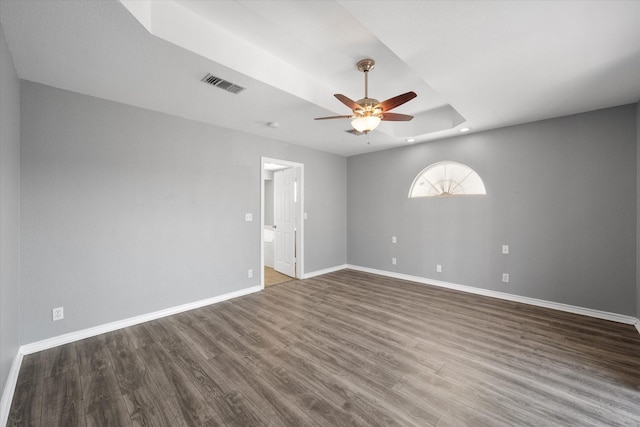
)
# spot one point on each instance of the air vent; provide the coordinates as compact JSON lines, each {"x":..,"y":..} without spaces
{"x":222,"y":84}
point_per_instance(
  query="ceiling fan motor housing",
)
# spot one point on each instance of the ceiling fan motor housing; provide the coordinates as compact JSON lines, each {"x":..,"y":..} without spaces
{"x":368,"y":107}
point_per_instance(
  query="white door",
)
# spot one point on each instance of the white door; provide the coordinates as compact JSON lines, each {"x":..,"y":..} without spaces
{"x":284,"y":242}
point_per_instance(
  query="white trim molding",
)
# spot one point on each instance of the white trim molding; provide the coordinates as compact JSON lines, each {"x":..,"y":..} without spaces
{"x":10,"y":388}
{"x":325,"y":271}
{"x":113,"y":326}
{"x":615,"y":317}
{"x":638,"y":325}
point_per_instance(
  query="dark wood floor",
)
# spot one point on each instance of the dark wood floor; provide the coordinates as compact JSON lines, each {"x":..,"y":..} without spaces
{"x":346,"y":348}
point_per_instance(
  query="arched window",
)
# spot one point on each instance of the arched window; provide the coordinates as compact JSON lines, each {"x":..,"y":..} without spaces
{"x":446,"y":178}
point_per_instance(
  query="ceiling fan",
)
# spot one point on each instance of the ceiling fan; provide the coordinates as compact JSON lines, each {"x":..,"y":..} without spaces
{"x":368,"y":112}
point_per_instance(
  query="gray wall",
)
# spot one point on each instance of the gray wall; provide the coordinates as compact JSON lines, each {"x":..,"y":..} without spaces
{"x":127,"y":211}
{"x":561,"y":193}
{"x":9,"y":211}
{"x":638,"y":212}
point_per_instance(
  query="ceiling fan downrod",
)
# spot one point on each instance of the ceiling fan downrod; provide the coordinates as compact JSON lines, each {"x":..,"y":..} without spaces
{"x":365,"y":66}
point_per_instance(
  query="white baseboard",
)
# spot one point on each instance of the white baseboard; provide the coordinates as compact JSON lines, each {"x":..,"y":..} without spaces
{"x":113,"y":326}
{"x":325,"y":271}
{"x":9,"y":389}
{"x":615,"y":317}
{"x":638,"y":325}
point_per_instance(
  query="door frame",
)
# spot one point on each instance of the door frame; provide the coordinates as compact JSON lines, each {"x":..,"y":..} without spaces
{"x":299,"y":215}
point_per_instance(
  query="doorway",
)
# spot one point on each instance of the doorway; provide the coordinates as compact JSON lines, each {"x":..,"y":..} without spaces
{"x":282,"y":215}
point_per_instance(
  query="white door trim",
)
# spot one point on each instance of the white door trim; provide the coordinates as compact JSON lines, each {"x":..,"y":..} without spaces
{"x":300,"y":215}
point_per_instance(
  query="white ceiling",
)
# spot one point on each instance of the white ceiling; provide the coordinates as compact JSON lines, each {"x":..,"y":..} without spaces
{"x":481,"y":64}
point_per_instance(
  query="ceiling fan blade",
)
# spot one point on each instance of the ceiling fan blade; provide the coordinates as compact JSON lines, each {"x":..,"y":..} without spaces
{"x":395,"y":117}
{"x":348,"y":102}
{"x":396,"y":101}
{"x":332,"y":117}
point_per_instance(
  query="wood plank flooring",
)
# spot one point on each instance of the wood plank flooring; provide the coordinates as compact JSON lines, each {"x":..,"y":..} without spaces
{"x":347,"y":348}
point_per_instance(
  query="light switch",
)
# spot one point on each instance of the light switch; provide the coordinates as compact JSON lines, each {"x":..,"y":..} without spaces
{"x":505,"y":249}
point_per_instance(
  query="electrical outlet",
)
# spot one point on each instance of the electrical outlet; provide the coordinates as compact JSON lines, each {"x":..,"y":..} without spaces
{"x":393,"y":261}
{"x":393,"y":239}
{"x":58,"y":313}
{"x":248,"y":217}
{"x":250,"y":273}
{"x":438,"y":268}
{"x":505,"y":277}
{"x":505,"y":249}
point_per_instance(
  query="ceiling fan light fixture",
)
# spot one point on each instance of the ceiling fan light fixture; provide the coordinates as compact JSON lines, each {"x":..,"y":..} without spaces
{"x":369,"y":112}
{"x":366,"y":123}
